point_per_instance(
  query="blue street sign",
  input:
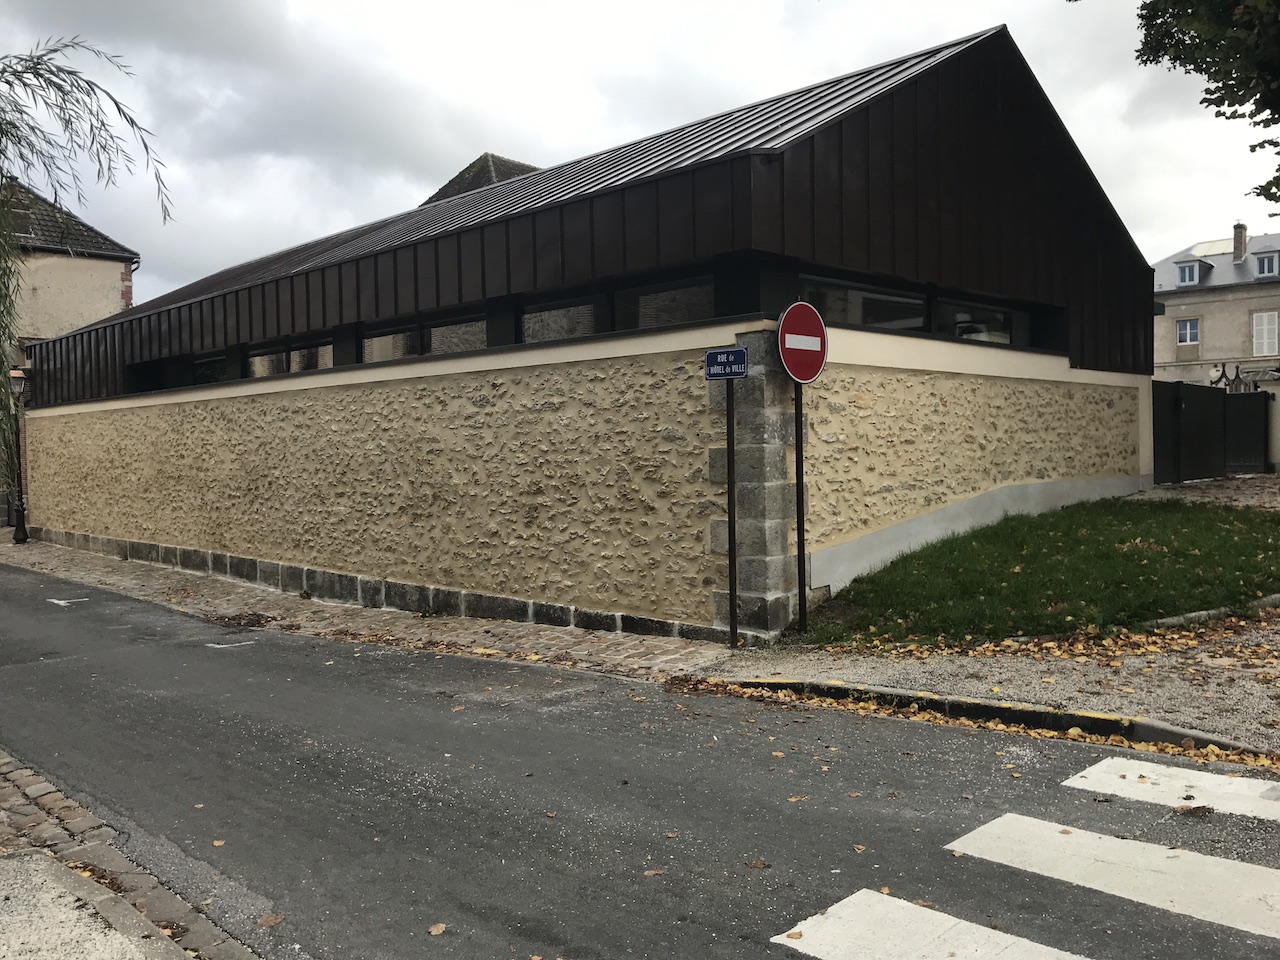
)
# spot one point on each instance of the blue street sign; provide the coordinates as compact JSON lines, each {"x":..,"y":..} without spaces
{"x":727,"y":363}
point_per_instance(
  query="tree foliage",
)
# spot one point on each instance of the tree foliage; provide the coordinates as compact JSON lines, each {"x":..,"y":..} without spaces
{"x":57,"y":127}
{"x":1235,"y":46}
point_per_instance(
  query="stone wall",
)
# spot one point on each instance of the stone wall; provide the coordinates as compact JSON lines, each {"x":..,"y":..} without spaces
{"x":888,"y":445}
{"x":583,"y":483}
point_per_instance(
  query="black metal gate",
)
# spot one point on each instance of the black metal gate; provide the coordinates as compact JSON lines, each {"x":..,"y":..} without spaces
{"x":1205,"y":432}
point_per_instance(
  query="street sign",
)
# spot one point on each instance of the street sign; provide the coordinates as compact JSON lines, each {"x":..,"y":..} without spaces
{"x":802,"y":342}
{"x":727,"y":363}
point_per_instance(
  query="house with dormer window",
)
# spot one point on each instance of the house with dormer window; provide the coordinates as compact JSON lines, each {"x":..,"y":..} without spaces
{"x":1221,"y":302}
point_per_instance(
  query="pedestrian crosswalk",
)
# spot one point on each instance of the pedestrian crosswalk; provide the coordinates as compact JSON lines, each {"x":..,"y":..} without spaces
{"x":872,"y":925}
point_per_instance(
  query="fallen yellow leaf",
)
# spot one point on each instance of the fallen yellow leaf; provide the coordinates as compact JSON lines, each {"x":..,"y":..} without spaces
{"x":199,"y":806}
{"x":957,"y":853}
{"x":884,"y":889}
{"x":437,"y":928}
{"x":654,"y":873}
{"x":797,"y":798}
{"x":218,"y":843}
{"x":270,"y":920}
{"x":858,"y":848}
{"x":457,"y":708}
{"x":794,"y":935}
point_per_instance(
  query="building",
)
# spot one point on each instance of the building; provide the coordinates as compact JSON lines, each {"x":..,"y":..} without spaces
{"x":1221,"y":301}
{"x":494,"y":404}
{"x":71,"y":273}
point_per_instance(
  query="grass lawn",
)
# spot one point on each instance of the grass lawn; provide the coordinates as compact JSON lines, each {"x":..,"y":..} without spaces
{"x":1092,"y":566}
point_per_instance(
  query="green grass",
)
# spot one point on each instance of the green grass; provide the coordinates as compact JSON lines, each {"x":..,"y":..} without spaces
{"x":1106,"y":565}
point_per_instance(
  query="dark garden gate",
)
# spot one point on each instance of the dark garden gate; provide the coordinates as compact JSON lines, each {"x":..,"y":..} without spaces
{"x":1205,"y":432}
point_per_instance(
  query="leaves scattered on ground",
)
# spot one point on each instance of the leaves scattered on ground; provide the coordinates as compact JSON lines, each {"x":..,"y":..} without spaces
{"x":248,"y":620}
{"x":1207,"y":754}
{"x":1249,"y":646}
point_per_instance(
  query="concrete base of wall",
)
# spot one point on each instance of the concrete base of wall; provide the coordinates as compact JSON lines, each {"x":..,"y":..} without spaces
{"x":349,"y":588}
{"x":835,"y":567}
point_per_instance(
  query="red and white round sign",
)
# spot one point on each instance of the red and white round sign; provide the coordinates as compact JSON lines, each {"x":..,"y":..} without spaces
{"x":802,"y":342}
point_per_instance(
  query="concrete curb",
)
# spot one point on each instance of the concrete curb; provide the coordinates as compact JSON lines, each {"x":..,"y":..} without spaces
{"x":113,"y":909}
{"x":1205,"y":616}
{"x":1008,"y":711}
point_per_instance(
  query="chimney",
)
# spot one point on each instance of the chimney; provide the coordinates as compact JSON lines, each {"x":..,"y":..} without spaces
{"x":1240,"y":243}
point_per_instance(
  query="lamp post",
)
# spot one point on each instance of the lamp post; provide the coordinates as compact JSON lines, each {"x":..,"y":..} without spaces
{"x":18,"y":384}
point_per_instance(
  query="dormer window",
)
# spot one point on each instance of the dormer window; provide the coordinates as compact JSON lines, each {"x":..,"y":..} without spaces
{"x":1266,"y":265}
{"x":1188,"y":273}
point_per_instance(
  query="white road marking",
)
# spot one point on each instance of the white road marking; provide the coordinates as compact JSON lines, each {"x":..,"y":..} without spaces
{"x":872,"y":926}
{"x":67,"y":603}
{"x":799,"y":341}
{"x":228,"y":646}
{"x":1177,"y":787}
{"x":1239,"y":895}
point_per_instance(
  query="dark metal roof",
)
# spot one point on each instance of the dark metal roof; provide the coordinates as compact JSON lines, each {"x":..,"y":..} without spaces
{"x":41,"y":224}
{"x":769,"y":124}
{"x":485,"y":170}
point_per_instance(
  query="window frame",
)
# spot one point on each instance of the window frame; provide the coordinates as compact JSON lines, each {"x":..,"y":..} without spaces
{"x":1191,"y":325}
{"x":1194,"y":268}
{"x":1269,"y":258}
{"x":1264,"y":337}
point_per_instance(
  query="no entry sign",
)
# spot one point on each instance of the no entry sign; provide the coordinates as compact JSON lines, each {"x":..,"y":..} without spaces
{"x":802,"y":342}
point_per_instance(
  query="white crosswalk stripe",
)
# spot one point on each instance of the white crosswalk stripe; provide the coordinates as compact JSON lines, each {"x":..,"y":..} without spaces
{"x":1240,"y":895}
{"x":873,"y":926}
{"x":1177,"y":786}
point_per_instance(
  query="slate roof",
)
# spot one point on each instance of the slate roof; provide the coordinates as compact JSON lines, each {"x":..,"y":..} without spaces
{"x":770,"y":124}
{"x":1219,"y":268}
{"x":42,"y":225}
{"x":484,"y":171}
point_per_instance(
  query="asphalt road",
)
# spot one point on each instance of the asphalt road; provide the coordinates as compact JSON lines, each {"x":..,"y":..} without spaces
{"x":367,"y":794}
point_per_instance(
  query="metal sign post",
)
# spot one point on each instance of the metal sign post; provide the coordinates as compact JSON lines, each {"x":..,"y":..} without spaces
{"x":728,"y":365}
{"x":802,"y":345}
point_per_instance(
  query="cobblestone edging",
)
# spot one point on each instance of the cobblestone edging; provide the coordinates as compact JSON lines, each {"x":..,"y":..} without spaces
{"x":377,"y":594}
{"x":35,"y":812}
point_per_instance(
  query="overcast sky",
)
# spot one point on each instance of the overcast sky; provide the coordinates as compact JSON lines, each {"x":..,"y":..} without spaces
{"x":280,"y":121}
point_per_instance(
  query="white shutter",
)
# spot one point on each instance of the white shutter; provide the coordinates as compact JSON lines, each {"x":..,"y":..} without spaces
{"x":1265,"y":334}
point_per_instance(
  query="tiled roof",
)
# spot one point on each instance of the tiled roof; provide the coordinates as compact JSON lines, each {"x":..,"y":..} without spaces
{"x":770,"y":124}
{"x":42,"y":225}
{"x":484,"y":171}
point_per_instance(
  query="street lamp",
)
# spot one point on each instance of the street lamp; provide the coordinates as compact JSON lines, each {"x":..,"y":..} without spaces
{"x":18,"y":384}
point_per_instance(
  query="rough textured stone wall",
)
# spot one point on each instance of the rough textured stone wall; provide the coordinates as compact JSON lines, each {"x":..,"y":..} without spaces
{"x":585,"y":483}
{"x":888,"y":445}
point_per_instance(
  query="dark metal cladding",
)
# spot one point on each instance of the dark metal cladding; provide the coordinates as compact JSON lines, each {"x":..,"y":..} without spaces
{"x":768,"y":124}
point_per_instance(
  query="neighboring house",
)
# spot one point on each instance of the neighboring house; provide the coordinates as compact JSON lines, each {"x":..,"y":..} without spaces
{"x":1221,"y":302}
{"x":540,"y":442}
{"x":72,"y":274}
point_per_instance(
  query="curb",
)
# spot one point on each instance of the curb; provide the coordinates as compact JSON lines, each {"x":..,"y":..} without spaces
{"x":1008,"y":711}
{"x":1205,"y":616}
{"x":117,"y":912}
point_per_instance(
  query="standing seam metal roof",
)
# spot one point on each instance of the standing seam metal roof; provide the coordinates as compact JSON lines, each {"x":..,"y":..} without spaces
{"x":766,"y":125}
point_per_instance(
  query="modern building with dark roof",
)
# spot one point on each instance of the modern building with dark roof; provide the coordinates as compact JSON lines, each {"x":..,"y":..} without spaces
{"x":498,"y":395}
